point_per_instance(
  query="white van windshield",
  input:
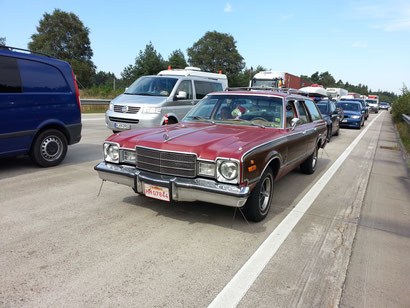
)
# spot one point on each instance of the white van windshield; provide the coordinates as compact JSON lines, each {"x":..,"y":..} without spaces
{"x":265,"y":83}
{"x":152,"y":86}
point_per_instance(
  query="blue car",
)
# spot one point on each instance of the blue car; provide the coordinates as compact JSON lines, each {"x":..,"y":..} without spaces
{"x":40,"y":111}
{"x":354,"y":117}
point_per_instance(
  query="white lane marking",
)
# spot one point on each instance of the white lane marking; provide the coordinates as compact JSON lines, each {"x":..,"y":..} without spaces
{"x":236,"y":289}
{"x":93,"y":119}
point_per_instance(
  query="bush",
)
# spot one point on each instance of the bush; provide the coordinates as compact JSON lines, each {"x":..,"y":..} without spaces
{"x":401,"y":106}
{"x":101,"y":92}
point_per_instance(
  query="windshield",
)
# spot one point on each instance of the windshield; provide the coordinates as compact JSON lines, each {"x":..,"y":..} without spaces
{"x":371,"y":101}
{"x":349,"y":106}
{"x":153,"y":86}
{"x":239,"y":110}
{"x":323,"y":108}
{"x":265,"y":83}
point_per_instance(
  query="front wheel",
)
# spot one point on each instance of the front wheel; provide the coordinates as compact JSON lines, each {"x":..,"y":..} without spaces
{"x":258,"y":204}
{"x":49,"y":148}
{"x":309,"y":165}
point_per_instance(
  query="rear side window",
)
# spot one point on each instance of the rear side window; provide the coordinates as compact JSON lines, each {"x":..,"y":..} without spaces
{"x":314,"y":112}
{"x":10,"y":81}
{"x":40,"y":77}
{"x":203,"y":88}
{"x":303,"y":116}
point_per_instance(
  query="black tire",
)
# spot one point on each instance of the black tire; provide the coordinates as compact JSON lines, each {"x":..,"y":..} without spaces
{"x":338,"y":130}
{"x":49,"y":148}
{"x":258,"y":204}
{"x":329,"y":133}
{"x":309,"y":165}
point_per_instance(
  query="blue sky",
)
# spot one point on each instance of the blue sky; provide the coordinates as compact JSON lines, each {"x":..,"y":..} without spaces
{"x":364,"y":42}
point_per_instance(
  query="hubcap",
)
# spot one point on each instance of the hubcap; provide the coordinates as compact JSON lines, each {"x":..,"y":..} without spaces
{"x":51,"y":148}
{"x":314,"y":160}
{"x":264,"y":194}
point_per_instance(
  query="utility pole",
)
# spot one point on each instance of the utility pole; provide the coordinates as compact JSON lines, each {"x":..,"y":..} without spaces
{"x":114,"y":83}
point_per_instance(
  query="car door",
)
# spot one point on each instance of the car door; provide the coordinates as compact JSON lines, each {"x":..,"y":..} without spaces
{"x":297,"y":139}
{"x":181,"y":105}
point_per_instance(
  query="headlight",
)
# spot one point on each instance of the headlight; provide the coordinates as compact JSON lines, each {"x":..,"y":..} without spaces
{"x":151,"y":110}
{"x":111,"y":153}
{"x":111,"y":107}
{"x":206,"y":169}
{"x":227,"y":171}
{"x":355,"y":117}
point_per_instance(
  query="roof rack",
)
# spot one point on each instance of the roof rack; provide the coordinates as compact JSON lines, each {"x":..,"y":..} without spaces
{"x":272,"y":89}
{"x":26,"y":50}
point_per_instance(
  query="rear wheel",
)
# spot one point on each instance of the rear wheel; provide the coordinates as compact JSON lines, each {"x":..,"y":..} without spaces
{"x":258,"y":204}
{"x":309,"y":165}
{"x":49,"y":148}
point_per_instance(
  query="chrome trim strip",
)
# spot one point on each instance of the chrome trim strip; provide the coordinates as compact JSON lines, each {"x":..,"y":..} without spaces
{"x":187,"y":133}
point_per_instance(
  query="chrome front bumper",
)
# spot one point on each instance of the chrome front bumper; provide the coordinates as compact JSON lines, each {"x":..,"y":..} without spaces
{"x":181,"y":189}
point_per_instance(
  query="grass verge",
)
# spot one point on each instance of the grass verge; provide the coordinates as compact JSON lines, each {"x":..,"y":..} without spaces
{"x":404,"y":132}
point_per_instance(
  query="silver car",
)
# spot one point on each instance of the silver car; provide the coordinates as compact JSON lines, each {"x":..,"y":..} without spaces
{"x":151,"y":100}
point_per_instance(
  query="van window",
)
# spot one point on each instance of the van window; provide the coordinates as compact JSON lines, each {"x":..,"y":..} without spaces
{"x":40,"y":77}
{"x":303,"y":116}
{"x":314,"y":112}
{"x":202,"y":88}
{"x":10,"y":81}
{"x":186,"y":86}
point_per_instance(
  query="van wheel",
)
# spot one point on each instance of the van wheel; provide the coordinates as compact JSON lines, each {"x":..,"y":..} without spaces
{"x":49,"y":148}
{"x":309,"y":165}
{"x":258,"y":204}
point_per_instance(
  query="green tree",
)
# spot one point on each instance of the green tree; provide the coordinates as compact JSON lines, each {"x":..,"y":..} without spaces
{"x":64,"y":36}
{"x":177,"y":59}
{"x":216,"y":51}
{"x":401,"y":105}
{"x":148,"y":62}
{"x":103,"y":78}
{"x":2,"y":41}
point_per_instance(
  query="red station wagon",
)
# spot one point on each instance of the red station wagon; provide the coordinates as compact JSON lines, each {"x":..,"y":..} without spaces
{"x":229,"y":150}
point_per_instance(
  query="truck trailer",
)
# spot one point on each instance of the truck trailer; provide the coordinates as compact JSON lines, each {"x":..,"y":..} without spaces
{"x":272,"y":79}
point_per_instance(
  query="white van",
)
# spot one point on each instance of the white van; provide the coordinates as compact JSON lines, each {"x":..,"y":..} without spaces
{"x":171,"y":93}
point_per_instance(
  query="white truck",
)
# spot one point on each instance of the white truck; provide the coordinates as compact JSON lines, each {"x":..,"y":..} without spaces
{"x":336,"y":93}
{"x":373,"y":101}
{"x":273,"y":79}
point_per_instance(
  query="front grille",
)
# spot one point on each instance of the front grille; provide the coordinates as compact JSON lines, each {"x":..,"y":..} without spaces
{"x":126,"y":109}
{"x":170,"y":163}
{"x":133,"y":121}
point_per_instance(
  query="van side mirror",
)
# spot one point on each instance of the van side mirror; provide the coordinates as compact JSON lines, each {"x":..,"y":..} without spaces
{"x":181,"y":95}
{"x":295,"y":122}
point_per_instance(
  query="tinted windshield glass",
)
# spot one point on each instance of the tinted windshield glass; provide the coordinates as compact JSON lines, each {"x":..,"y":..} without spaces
{"x":154,"y":86}
{"x":263,"y":83}
{"x":349,"y":106}
{"x":323,"y":108}
{"x":239,"y":110}
{"x":371,"y":101}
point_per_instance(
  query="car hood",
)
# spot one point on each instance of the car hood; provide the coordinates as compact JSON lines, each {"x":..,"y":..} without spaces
{"x":351,"y":113}
{"x":138,"y":99}
{"x":208,"y":141}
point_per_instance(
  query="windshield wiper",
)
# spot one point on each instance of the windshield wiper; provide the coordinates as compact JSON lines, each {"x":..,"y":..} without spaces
{"x":251,"y":122}
{"x":201,"y":119}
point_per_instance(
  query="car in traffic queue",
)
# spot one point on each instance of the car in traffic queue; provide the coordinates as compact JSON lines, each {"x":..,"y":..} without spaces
{"x":384,"y":105}
{"x":331,"y":114}
{"x":229,"y":150}
{"x":364,"y":106}
{"x":353,"y":114}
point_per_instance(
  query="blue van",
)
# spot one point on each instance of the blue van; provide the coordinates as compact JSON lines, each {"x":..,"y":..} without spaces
{"x":40,"y":111}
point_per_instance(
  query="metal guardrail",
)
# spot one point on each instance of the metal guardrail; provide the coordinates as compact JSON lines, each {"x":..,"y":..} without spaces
{"x":406,"y":118}
{"x":88,"y":101}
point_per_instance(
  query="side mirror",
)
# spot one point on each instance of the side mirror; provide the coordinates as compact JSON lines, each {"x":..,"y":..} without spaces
{"x":295,"y":122}
{"x":181,"y":95}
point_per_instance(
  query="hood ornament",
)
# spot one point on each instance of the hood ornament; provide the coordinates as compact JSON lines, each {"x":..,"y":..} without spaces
{"x":165,"y":136}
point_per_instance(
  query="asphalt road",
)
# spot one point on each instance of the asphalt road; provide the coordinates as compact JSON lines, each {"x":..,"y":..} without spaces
{"x":64,"y":246}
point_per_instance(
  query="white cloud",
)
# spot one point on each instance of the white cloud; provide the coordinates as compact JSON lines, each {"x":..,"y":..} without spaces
{"x":388,"y":16}
{"x":228,"y":8}
{"x":359,"y":44}
{"x":286,"y":17}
